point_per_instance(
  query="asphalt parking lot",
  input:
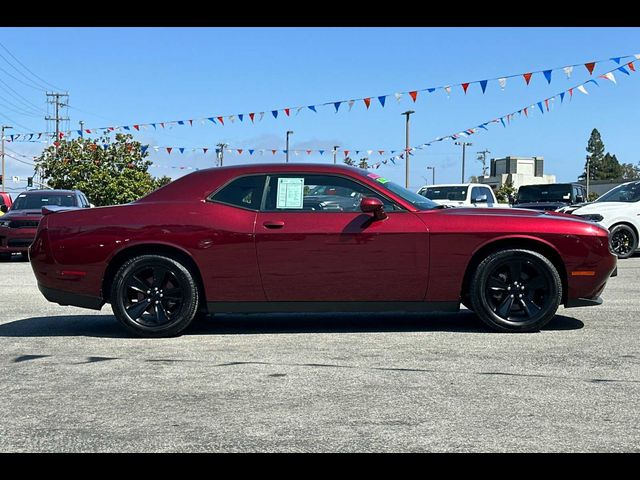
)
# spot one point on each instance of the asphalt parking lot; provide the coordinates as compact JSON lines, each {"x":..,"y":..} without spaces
{"x":73,"y":380}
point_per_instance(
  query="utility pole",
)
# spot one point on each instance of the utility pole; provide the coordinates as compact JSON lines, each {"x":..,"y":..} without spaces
{"x":289,"y":132}
{"x":464,"y":148}
{"x":483,"y":160}
{"x":335,"y":152}
{"x":406,"y":173}
{"x":56,"y":100}
{"x":587,"y":178}
{"x":3,"y":128}
{"x":220,"y":151}
{"x":433,"y":174}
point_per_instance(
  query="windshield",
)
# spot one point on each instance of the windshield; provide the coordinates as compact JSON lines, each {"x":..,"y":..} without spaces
{"x":418,"y":201}
{"x":37,"y":201}
{"x":629,"y":192}
{"x":544,"y":193}
{"x":445,"y":193}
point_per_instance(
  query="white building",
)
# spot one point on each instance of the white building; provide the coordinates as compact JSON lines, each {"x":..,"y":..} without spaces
{"x":517,"y":170}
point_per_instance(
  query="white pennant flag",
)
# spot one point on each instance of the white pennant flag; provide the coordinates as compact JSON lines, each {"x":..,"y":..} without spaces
{"x":502,"y":82}
{"x":398,"y":96}
{"x":448,"y":90}
{"x":351,"y":102}
{"x":583,"y":90}
{"x":261,"y":152}
{"x":299,"y":109}
{"x":637,"y":55}
{"x":232,"y":118}
{"x":202,"y":122}
{"x":261,"y":116}
{"x":369,"y":152}
{"x":568,"y":71}
{"x":610,"y":76}
{"x":156,"y":148}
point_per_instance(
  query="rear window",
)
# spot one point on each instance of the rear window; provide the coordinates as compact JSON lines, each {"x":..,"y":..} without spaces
{"x":244,"y":192}
{"x":26,"y":201}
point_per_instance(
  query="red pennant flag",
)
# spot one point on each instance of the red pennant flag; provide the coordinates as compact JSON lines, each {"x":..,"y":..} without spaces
{"x":273,"y":151}
{"x":204,"y":150}
{"x":169,"y":150}
{"x":631,"y":66}
{"x":221,"y":120}
{"x":111,"y":129}
{"x":465,"y":86}
{"x":546,"y":103}
{"x":251,"y":115}
{"x":239,"y":151}
{"x":571,"y":92}
{"x":525,"y":112}
{"x":56,"y":143}
{"x":380,"y":152}
{"x":137,"y":127}
{"x":590,"y":66}
{"x":367,"y":102}
{"x":286,"y":110}
{"x":346,"y":153}
{"x":308,"y":152}
{"x":527,"y":77}
{"x":191,"y":123}
{"x":162,"y":124}
{"x":88,"y":131}
{"x":413,"y":95}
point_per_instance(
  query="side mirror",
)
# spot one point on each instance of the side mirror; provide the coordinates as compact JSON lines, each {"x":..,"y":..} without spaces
{"x":4,"y":209}
{"x":480,"y":199}
{"x":373,"y":205}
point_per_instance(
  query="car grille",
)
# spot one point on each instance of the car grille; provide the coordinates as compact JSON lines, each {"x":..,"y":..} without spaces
{"x":24,"y":224}
{"x":19,"y":242}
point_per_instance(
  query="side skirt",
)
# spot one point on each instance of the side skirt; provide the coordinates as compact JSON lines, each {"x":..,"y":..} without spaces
{"x":292,"y":307}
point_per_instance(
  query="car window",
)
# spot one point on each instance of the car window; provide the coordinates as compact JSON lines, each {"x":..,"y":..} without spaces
{"x":37,"y":201}
{"x":477,"y":192}
{"x":446,"y":193}
{"x":244,"y":192}
{"x":489,"y":193}
{"x":629,"y":192}
{"x":318,"y":193}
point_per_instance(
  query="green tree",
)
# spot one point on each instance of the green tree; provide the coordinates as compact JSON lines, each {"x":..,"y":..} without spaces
{"x":363,"y":163}
{"x":108,"y":172}
{"x":505,"y":191}
{"x":611,"y":168}
{"x":629,"y":171}
{"x":349,"y":161}
{"x":592,"y":196}
{"x":595,"y":149}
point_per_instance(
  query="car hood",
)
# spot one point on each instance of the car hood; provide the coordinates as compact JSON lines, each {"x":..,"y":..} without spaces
{"x":603,"y":207}
{"x":510,"y":213}
{"x":451,"y":203}
{"x":540,"y":205}
{"x":22,"y":215}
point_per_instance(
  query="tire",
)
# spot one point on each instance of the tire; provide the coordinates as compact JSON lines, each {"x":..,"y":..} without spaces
{"x":536,"y":287}
{"x":623,"y":240}
{"x":165,"y":285}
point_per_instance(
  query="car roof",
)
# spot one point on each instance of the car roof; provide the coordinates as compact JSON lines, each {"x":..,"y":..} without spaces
{"x":49,"y":192}
{"x":457,"y":185}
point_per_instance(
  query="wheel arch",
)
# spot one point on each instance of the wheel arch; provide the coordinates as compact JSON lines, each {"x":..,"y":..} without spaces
{"x":527,"y":243}
{"x":129,"y":252}
{"x":626,"y":222}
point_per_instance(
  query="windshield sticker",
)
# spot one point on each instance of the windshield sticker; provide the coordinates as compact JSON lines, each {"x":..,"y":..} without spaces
{"x":290,"y":193}
{"x":373,"y":175}
{"x":381,"y":180}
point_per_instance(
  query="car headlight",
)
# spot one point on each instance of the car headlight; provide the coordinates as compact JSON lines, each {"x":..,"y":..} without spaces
{"x":594,"y":217}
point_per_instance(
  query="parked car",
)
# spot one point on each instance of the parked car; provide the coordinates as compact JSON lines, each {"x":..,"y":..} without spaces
{"x":618,"y":210}
{"x":550,"y":196}
{"x":5,"y":202}
{"x":18,"y":226}
{"x":239,"y":239}
{"x":461,"y":194}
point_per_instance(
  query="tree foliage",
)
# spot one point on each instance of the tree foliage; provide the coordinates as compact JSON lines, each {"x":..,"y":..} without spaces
{"x":108,"y":171}
{"x":349,"y":161}
{"x":505,"y":192}
{"x":601,"y":165}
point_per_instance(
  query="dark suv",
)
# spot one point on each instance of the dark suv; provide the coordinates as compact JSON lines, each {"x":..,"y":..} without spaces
{"x":19,"y":224}
{"x":551,"y":196}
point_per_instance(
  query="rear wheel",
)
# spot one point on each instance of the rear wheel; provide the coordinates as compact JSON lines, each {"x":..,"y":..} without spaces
{"x":154,"y":296}
{"x":623,"y":241}
{"x":516,"y":291}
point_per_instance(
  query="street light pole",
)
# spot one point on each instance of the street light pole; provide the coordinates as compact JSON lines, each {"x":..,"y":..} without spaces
{"x":406,"y":151}
{"x":464,"y":148}
{"x":220,"y":150}
{"x":587,"y":178}
{"x":289,"y":132}
{"x":335,"y":152}
{"x":2,"y":154}
{"x":433,"y":174}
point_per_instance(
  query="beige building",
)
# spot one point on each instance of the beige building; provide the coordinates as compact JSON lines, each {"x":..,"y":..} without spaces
{"x":517,"y":170}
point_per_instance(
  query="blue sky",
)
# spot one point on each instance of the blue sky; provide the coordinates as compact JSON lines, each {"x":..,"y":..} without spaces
{"x":124,"y":76}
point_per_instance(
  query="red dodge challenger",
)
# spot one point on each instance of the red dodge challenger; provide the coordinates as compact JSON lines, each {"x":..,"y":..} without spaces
{"x":301,"y":238}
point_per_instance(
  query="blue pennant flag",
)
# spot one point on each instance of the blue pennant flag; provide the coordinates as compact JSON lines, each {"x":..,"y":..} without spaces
{"x":274,"y":113}
{"x":181,"y":149}
{"x":180,"y":122}
{"x":624,"y":70}
{"x":105,"y":145}
{"x":251,"y":152}
{"x":154,"y":126}
{"x":483,"y":85}
{"x":393,"y":151}
{"x":337,"y":105}
{"x":382,"y":99}
{"x":212,"y":119}
{"x":503,"y":124}
{"x":284,"y":151}
{"x":588,"y":81}
{"x":126,"y":128}
{"x":562,"y":96}
{"x":79,"y":132}
{"x":547,"y":75}
{"x":321,"y":151}
{"x":540,"y":107}
{"x":357,"y":152}
{"x":312,"y":107}
{"x":431,"y":90}
{"x":143,"y":148}
{"x":240,"y":116}
{"x":616,"y":59}
{"x":484,"y":125}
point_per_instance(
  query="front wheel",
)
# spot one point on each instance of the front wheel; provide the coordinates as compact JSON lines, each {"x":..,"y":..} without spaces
{"x":154,"y":296}
{"x":623,"y":241}
{"x":516,"y":291}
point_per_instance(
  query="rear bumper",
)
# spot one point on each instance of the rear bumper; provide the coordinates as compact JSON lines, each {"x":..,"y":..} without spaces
{"x":67,"y":298}
{"x":583,"y":302}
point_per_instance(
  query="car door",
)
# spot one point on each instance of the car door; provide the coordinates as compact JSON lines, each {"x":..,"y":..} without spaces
{"x":314,"y":245}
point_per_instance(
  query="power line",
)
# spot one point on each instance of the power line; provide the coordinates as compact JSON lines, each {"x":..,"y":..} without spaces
{"x":23,"y":99}
{"x":27,"y":68}
{"x":22,"y":82}
{"x":14,"y":122}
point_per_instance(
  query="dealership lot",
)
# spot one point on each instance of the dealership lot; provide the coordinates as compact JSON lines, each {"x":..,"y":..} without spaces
{"x":74,"y":380}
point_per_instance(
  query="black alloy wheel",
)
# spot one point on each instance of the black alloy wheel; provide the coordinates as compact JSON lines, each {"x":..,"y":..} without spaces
{"x":154,"y":296}
{"x":516,"y":291}
{"x":623,"y":241}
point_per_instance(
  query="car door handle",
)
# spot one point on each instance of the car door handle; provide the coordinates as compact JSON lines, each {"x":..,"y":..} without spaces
{"x":273,"y":224}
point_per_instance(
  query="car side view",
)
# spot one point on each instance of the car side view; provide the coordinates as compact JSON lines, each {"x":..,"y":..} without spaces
{"x":247,"y":239}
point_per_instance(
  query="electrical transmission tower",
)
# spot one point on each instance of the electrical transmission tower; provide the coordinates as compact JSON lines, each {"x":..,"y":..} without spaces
{"x":58,"y":102}
{"x":482,"y":157}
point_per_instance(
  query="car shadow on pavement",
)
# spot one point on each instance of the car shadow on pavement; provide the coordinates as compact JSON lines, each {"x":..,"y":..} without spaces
{"x":106,"y":326}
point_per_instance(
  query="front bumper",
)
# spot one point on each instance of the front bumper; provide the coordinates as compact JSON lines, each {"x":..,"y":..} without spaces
{"x":16,"y":240}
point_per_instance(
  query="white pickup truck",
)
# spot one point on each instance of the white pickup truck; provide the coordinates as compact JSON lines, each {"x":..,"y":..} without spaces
{"x":462,"y":195}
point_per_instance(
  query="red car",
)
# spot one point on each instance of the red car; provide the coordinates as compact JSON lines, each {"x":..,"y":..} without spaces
{"x":19,"y":224}
{"x":245,"y":239}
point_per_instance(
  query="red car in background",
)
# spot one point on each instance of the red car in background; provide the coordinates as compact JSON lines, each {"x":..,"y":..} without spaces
{"x":5,"y":201}
{"x":275,"y":238}
{"x":19,"y":224}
